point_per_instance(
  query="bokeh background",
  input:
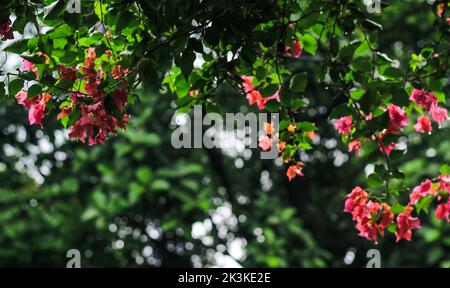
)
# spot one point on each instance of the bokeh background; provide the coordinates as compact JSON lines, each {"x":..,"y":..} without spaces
{"x":138,"y":202}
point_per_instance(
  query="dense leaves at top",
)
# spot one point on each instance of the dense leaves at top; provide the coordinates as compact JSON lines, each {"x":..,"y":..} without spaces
{"x":83,"y":68}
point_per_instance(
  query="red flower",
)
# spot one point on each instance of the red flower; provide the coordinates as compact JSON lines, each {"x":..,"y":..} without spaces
{"x":296,"y":48}
{"x":294,"y":171}
{"x":398,"y":116}
{"x":356,"y":198}
{"x":67,"y":73}
{"x":28,"y":66}
{"x":439,"y":114}
{"x":37,"y":111}
{"x":355,"y":145}
{"x":120,"y":97}
{"x":423,"y":125}
{"x":443,"y":211}
{"x":406,"y":223}
{"x":22,"y":99}
{"x":247,"y":84}
{"x":94,"y":123}
{"x":420,"y":191}
{"x":119,"y":74}
{"x":6,"y":31}
{"x":419,"y":96}
{"x":343,"y":125}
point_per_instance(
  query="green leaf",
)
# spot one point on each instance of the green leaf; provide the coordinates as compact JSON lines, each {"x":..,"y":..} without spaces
{"x":374,"y":180}
{"x":15,"y":86}
{"x":299,"y":82}
{"x":54,"y":10}
{"x":357,"y":94}
{"x":17,"y":47}
{"x":34,"y":90}
{"x":309,"y":44}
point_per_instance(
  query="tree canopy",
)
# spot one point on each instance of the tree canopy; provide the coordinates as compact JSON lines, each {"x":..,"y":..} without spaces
{"x":361,"y":92}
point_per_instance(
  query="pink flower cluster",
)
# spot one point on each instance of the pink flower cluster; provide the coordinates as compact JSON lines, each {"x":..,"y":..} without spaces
{"x":372,"y":218}
{"x":95,"y":122}
{"x":6,"y":32}
{"x":254,"y":96}
{"x":429,"y":102}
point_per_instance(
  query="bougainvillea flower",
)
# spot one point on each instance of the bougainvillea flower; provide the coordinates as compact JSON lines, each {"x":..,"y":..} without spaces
{"x":22,"y":99}
{"x":420,"y":191}
{"x":296,"y":48}
{"x":120,"y":97}
{"x":397,"y":115}
{"x":443,"y":211}
{"x":405,"y":224}
{"x":265,"y":143}
{"x":6,"y":32}
{"x":67,"y":73}
{"x":253,"y":97}
{"x":343,"y":125}
{"x":37,"y":111}
{"x":439,"y":114}
{"x":94,"y":123}
{"x":423,"y":125}
{"x":355,"y":145}
{"x":294,"y":171}
{"x":419,"y":96}
{"x":120,"y":74}
{"x":356,"y":198}
{"x":28,"y":66}
{"x":247,"y":84}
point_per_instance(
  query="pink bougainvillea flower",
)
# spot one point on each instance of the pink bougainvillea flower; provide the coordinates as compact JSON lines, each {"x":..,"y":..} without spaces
{"x":343,"y":125}
{"x":37,"y":111}
{"x":28,"y":66}
{"x":94,"y":123}
{"x":419,"y":96}
{"x":431,"y":101}
{"x":423,"y":125}
{"x":443,"y":211}
{"x":120,"y":97}
{"x":67,"y":73}
{"x":405,"y":224}
{"x":397,"y":115}
{"x":420,"y":191}
{"x":253,"y":97}
{"x":294,"y":171}
{"x":120,"y":74}
{"x":296,"y":48}
{"x":193,"y":93}
{"x":439,"y":114}
{"x":265,"y":143}
{"x":355,"y":145}
{"x":6,"y":32}
{"x":22,"y":99}
{"x":247,"y":84}
{"x":356,"y":198}
{"x":65,"y":111}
